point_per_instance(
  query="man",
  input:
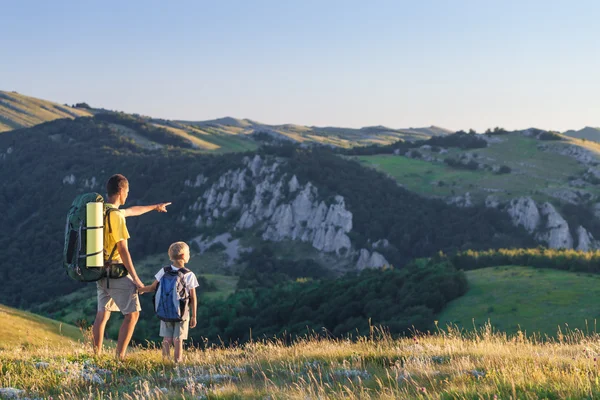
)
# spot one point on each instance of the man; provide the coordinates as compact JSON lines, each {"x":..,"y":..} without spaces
{"x":119,"y":294}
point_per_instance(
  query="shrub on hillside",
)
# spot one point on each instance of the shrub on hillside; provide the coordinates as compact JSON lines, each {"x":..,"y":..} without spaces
{"x":549,"y":135}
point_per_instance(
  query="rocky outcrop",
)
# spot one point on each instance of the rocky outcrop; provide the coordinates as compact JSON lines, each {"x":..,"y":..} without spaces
{"x":91,"y":183}
{"x":231,"y":247}
{"x":383,"y":243}
{"x":199,"y":181}
{"x":585,"y":240}
{"x":579,"y":153}
{"x":524,"y":212}
{"x":368,"y":260}
{"x":310,"y":220}
{"x":492,"y":201}
{"x":461,"y":201}
{"x":3,"y":155}
{"x":573,"y":196}
{"x":278,"y":205}
{"x":69,"y":180}
{"x":555,"y":232}
{"x":544,"y":223}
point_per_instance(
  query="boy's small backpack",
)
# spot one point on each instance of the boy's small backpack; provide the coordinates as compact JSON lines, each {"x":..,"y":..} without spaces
{"x":171,"y":301}
{"x":74,"y":257}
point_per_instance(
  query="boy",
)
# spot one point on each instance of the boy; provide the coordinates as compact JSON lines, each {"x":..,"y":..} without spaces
{"x":174,"y":333}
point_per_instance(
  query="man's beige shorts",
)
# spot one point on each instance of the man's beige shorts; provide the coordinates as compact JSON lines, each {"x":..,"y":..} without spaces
{"x":175,"y":330}
{"x":121,"y":295}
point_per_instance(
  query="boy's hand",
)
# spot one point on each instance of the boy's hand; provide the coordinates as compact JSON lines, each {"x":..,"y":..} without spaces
{"x":139,"y":284}
{"x":162,"y":207}
{"x":193,"y":322}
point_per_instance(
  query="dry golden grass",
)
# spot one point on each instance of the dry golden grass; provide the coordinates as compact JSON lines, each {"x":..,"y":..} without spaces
{"x":22,"y":329}
{"x":19,"y":111}
{"x":448,"y":364}
{"x":202,"y":144}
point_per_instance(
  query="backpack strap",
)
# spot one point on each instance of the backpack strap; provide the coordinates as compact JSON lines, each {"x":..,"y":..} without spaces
{"x":112,"y":253}
{"x":183,"y":272}
{"x":107,"y":216}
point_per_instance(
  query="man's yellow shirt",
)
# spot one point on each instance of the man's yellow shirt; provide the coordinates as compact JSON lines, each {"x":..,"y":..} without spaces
{"x":119,"y":232}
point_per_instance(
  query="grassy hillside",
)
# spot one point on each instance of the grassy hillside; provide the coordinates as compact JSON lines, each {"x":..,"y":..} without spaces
{"x":210,"y":140}
{"x":20,"y":328}
{"x":534,"y":300}
{"x":445,"y":365}
{"x":19,"y":111}
{"x":541,"y":174}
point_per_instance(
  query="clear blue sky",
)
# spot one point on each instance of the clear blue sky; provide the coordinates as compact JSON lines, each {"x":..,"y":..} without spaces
{"x":456,"y":64}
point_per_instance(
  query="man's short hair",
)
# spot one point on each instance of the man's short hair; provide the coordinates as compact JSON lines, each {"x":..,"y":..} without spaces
{"x":176,"y":250}
{"x":115,"y":184}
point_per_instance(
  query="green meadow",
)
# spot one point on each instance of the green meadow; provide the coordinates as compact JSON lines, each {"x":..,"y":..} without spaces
{"x":534,"y":172}
{"x":514,"y":298}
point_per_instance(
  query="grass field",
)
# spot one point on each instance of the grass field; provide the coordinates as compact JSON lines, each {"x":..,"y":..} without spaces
{"x":22,"y":329}
{"x":533,"y":300}
{"x":225,"y":284}
{"x":456,"y":361}
{"x":534,"y":172}
{"x":444,"y":365}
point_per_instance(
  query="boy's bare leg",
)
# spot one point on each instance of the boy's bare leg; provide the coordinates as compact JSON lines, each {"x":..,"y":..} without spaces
{"x":166,"y":347}
{"x":126,"y":332}
{"x":98,"y":330}
{"x":178,"y":350}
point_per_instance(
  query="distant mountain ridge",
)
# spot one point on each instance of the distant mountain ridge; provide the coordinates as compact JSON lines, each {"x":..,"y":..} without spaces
{"x":328,"y":135}
{"x":588,"y":133}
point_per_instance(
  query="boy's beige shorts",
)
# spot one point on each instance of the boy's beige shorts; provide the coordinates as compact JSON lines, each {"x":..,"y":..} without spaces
{"x":121,"y":295}
{"x":175,"y":330}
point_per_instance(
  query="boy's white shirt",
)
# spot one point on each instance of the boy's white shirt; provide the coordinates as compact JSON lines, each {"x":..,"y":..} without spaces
{"x":191,"y":282}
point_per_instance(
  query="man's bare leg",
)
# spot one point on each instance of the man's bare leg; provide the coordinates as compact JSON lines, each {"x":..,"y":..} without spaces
{"x":126,"y":332}
{"x":178,"y":350}
{"x":98,"y":330}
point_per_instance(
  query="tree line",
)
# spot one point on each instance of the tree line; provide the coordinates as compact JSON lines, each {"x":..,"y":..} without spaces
{"x":538,"y":257}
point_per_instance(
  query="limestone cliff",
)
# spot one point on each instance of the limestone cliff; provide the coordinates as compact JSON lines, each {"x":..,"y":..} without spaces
{"x":547,"y":226}
{"x":280,"y":207}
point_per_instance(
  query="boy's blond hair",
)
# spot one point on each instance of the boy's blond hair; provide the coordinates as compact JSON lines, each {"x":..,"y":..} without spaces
{"x":176,"y":250}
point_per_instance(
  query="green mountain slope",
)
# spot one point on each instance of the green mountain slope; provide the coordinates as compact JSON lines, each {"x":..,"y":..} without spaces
{"x":19,"y":111}
{"x":45,"y":167}
{"x":534,"y":300}
{"x":542,"y":170}
{"x":20,"y":328}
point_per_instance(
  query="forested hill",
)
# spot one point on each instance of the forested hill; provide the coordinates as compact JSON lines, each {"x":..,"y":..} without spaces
{"x":43,"y":168}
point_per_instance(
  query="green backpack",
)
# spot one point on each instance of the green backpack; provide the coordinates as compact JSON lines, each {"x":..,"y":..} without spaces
{"x":74,"y":261}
